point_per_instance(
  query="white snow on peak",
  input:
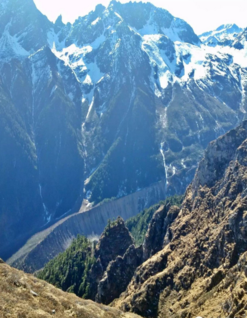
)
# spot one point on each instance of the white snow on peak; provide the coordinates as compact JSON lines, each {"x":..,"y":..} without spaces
{"x":201,"y":59}
{"x":239,"y":56}
{"x":151,"y":28}
{"x":87,"y":80}
{"x":53,"y":90}
{"x":53,"y":41}
{"x":90,"y":109}
{"x":95,"y":21}
{"x":119,"y":16}
{"x":158,"y":59}
{"x":224,"y":32}
{"x":9,"y":46}
{"x":75,"y":58}
{"x":173,"y":32}
{"x":196,"y":60}
{"x":85,"y":70}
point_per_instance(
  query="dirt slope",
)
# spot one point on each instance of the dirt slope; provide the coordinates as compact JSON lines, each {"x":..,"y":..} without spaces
{"x":24,"y":296}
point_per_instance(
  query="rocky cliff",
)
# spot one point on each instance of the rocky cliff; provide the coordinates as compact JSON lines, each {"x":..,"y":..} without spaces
{"x":98,"y":272}
{"x":118,"y":275}
{"x":193,"y":260}
{"x":200,"y":269}
{"x":113,"y":244}
{"x":25,"y":296}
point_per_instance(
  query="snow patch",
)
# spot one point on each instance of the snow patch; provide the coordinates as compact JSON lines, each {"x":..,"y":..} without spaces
{"x":90,"y":109}
{"x":158,"y":59}
{"x":76,"y":58}
{"x":121,"y":19}
{"x":164,"y":163}
{"x":53,"y":90}
{"x":95,"y":21}
{"x":223,"y":33}
{"x":9,"y":46}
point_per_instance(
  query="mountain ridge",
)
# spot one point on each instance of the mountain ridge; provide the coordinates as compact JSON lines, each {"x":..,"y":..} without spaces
{"x":206,"y":244}
{"x":192,"y":262}
{"x":107,"y":106}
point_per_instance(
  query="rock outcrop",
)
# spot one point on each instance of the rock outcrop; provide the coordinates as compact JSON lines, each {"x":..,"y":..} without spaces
{"x":102,"y":272}
{"x":201,"y":269}
{"x":193,"y":261}
{"x":159,"y":230}
{"x":118,"y":275}
{"x":24,"y":296}
{"x":113,"y":244}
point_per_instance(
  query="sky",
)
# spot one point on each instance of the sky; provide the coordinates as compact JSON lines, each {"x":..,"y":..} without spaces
{"x":202,"y":15}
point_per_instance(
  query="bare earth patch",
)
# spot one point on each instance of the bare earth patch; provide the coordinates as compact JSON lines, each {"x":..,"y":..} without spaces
{"x":24,"y":296}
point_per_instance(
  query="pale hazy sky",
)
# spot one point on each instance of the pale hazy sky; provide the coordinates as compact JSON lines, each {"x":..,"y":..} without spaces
{"x":202,"y":15}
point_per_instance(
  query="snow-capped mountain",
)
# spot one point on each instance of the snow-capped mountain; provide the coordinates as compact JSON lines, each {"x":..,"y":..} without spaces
{"x":240,"y":40}
{"x":223,"y":35}
{"x":22,"y":26}
{"x":124,"y":97}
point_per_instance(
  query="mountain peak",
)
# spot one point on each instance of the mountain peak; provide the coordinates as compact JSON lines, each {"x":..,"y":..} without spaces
{"x":227,"y":26}
{"x":223,"y":35}
{"x":99,"y":8}
{"x":59,"y":21}
{"x":146,"y":18}
{"x":113,"y":2}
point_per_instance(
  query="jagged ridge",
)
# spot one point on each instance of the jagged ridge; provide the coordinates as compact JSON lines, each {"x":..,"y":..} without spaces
{"x":106,"y":106}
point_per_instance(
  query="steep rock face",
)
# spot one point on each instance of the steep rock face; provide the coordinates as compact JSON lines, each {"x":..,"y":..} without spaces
{"x":217,"y":158}
{"x":26,"y":296}
{"x":114,"y":242}
{"x":22,"y":28}
{"x":41,"y":123}
{"x":139,"y":224}
{"x":159,"y":230}
{"x":239,"y":42}
{"x":118,"y":275}
{"x":46,"y":153}
{"x":208,"y":242}
{"x":56,"y":118}
{"x":100,"y":272}
{"x":18,"y":163}
{"x":103,"y":272}
{"x":151,"y":19}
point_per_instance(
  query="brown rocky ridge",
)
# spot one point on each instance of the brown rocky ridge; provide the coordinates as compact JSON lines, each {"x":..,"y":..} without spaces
{"x":193,"y":262}
{"x":113,"y":244}
{"x":24,"y":296}
{"x":201,"y":266}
